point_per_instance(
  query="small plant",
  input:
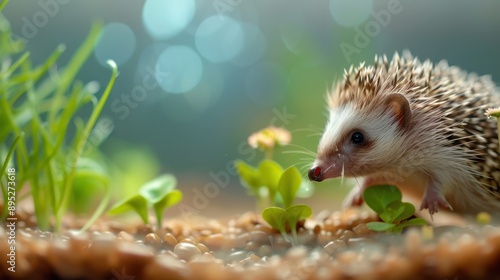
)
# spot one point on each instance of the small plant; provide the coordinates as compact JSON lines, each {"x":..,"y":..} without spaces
{"x":281,"y":218}
{"x":158,"y":194}
{"x":262,"y":181}
{"x":274,"y":186}
{"x":386,"y":201}
{"x":38,"y":106}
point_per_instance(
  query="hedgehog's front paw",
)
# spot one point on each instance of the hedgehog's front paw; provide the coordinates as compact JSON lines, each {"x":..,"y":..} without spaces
{"x":433,"y":200}
{"x":354,"y":198}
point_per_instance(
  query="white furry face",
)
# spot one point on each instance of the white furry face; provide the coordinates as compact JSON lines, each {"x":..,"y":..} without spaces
{"x":358,"y":143}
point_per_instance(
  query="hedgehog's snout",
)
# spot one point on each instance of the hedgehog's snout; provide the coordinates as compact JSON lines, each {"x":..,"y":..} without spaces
{"x":315,"y":174}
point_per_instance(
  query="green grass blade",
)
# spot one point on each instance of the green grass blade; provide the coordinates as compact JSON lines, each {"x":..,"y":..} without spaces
{"x":14,"y":66}
{"x":80,"y":144}
{"x":2,"y":5}
{"x":4,"y":167}
{"x":73,"y":67}
{"x":102,"y":206}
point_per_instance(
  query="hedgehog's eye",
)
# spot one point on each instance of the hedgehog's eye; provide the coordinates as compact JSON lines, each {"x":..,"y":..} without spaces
{"x":357,"y":138}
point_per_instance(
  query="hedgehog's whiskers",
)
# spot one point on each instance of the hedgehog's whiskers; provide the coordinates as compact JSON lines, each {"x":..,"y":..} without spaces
{"x":300,"y":150}
{"x":342,"y":176}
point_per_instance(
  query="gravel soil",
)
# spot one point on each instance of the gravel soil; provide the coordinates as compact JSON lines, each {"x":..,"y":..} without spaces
{"x":334,"y":245}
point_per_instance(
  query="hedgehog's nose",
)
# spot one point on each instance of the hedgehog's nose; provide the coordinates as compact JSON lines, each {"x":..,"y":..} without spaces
{"x":315,"y":174}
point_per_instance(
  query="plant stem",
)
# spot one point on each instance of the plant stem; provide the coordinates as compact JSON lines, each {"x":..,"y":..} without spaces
{"x":80,"y":145}
{"x":269,"y":154}
{"x":295,"y":239}
{"x":102,"y":206}
{"x":4,"y":2}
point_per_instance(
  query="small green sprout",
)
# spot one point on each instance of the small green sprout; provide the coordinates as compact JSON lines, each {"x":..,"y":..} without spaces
{"x":262,"y":181}
{"x":159,"y":194}
{"x":274,"y":186}
{"x":279,"y":218}
{"x":386,"y":201}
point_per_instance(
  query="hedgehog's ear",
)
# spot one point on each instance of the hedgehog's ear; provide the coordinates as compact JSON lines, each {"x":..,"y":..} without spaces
{"x":399,"y":106}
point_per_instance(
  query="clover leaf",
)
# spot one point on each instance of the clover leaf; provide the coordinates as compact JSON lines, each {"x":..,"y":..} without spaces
{"x":385,"y":200}
{"x":379,"y":197}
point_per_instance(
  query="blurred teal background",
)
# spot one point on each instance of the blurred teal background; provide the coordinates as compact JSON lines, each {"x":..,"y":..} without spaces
{"x":197,"y":77}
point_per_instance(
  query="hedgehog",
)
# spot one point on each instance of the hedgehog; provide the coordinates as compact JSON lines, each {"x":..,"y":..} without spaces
{"x":415,"y":125}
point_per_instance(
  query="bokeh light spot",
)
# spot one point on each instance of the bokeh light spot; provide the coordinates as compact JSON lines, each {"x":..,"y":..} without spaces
{"x":292,"y":31}
{"x":165,"y":19}
{"x":117,"y":42}
{"x":178,"y":69}
{"x":254,"y":48}
{"x":208,"y":90}
{"x":219,"y":38}
{"x":265,"y":83}
{"x":350,"y":13}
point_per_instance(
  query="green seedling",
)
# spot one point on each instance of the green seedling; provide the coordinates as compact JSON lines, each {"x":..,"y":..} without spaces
{"x":261,"y":182}
{"x":37,"y":109}
{"x":281,"y":218}
{"x":159,"y":194}
{"x":386,"y":201}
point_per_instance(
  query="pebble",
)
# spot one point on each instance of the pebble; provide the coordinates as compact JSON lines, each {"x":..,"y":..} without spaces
{"x":362,"y":229}
{"x":207,"y":253}
{"x":169,"y":239}
{"x":186,"y":251}
{"x":250,"y":260}
{"x":123,"y":235}
{"x":188,"y":240}
{"x":236,"y":256}
{"x":202,"y":248}
{"x":334,"y":247}
{"x":215,"y":241}
{"x":152,"y":239}
{"x":265,"y":251}
{"x":317,"y":229}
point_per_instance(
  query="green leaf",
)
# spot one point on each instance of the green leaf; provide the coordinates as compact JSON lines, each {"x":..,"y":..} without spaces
{"x":412,"y":222}
{"x":408,"y":211}
{"x":171,"y":199}
{"x":249,"y":176}
{"x":392,"y":211}
{"x":275,"y":217}
{"x":136,"y":203}
{"x":270,"y":174}
{"x":298,"y":212}
{"x":379,"y":197}
{"x":289,"y":184}
{"x":380,"y":226}
{"x":90,"y":177}
{"x":156,"y":189}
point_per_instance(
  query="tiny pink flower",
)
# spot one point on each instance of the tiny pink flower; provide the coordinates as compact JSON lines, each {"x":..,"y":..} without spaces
{"x":269,"y":137}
